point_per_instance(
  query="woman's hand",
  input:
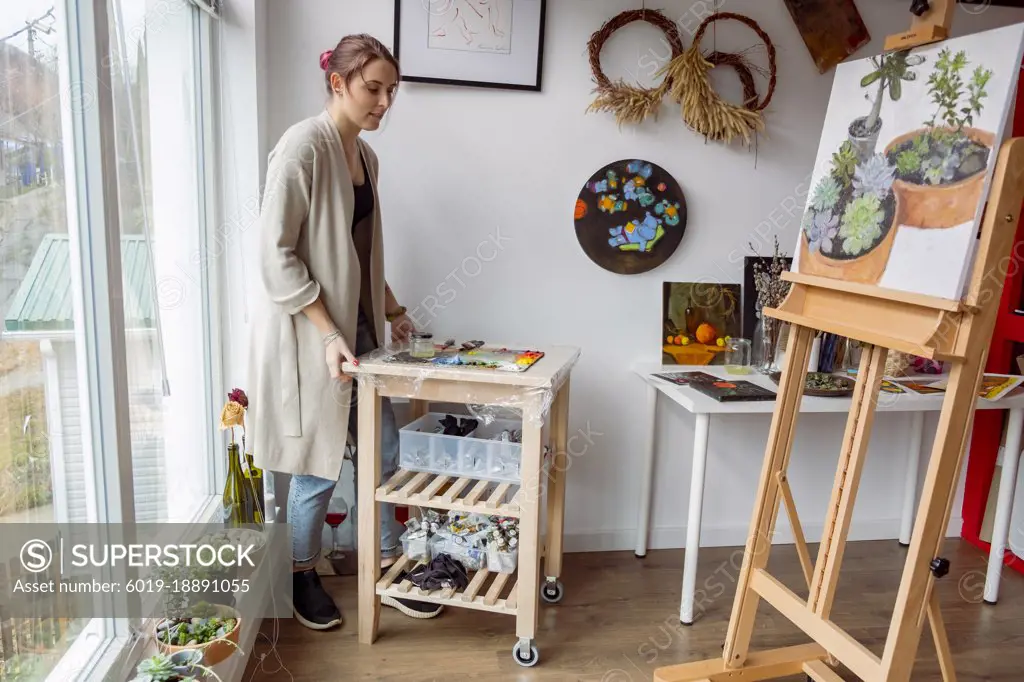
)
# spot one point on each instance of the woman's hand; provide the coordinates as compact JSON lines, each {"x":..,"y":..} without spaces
{"x":401,"y":328}
{"x":337,"y":351}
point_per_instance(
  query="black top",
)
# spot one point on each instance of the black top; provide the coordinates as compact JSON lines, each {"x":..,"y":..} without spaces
{"x":363,"y":239}
{"x":363,"y":197}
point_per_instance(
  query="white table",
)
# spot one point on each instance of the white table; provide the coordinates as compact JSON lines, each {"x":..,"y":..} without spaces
{"x":703,"y":406}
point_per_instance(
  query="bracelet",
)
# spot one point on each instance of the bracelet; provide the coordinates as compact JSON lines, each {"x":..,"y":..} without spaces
{"x":390,"y":317}
{"x":331,"y":337}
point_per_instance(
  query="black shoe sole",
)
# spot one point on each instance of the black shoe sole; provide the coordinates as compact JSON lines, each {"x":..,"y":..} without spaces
{"x":385,"y":600}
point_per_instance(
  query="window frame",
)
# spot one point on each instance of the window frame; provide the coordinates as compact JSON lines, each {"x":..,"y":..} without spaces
{"x":111,"y":644}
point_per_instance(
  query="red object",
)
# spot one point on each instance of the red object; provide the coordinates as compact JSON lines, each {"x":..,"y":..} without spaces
{"x":238,"y":396}
{"x":336,"y":518}
{"x":988,"y":424}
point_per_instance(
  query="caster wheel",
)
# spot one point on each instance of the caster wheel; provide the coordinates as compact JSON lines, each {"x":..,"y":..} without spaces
{"x":552,"y":593}
{"x":527,"y":661}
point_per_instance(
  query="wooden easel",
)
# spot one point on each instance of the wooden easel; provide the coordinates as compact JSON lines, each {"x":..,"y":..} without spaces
{"x":953,"y":331}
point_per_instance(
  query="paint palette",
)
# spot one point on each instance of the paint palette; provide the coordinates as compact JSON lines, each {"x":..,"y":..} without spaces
{"x":500,"y":359}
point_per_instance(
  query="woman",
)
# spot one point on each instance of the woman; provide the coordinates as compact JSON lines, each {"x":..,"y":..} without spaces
{"x":326,"y":299}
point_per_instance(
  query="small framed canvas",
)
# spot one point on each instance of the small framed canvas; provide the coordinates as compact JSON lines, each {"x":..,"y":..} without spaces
{"x":481,"y":43}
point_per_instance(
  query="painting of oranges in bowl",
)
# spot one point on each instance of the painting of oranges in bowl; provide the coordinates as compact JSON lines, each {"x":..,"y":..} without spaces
{"x":698,"y":321}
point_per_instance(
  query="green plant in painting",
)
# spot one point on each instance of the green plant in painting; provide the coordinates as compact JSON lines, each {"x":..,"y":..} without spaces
{"x":844,"y":163}
{"x":861,"y":224}
{"x":826,"y":194}
{"x":938,"y":169}
{"x":908,"y":161}
{"x":946,"y":88}
{"x":875,"y":176}
{"x":890,"y":72}
{"x":943,"y":152}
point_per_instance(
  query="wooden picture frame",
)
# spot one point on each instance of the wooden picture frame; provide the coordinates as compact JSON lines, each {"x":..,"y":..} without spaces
{"x":502,"y":46}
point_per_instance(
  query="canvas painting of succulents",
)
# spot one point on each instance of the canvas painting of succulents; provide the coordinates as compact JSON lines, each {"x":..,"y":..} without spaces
{"x":905,"y":160}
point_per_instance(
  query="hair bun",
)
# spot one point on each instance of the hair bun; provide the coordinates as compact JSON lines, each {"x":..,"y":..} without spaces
{"x":325,"y":58}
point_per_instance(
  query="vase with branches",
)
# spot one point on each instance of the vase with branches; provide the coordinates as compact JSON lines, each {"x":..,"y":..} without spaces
{"x":771,"y":292}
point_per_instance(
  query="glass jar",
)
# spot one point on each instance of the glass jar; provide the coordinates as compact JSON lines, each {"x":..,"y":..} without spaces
{"x":422,"y":345}
{"x":737,"y":357}
{"x":767,"y":337}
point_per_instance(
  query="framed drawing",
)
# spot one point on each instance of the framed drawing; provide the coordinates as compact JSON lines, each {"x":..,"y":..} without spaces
{"x":481,"y":43}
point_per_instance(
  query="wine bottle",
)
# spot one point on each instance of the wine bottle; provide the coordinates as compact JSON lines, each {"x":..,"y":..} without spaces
{"x":254,"y":487}
{"x":233,"y":500}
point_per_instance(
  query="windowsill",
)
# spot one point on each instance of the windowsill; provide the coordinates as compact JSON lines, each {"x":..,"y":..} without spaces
{"x":90,"y":652}
{"x":91,"y":656}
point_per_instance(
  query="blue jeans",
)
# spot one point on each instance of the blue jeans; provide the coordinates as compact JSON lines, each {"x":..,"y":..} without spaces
{"x":309,"y":496}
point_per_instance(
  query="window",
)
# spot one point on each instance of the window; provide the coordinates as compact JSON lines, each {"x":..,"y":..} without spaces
{"x":71,"y":368}
{"x":155,"y":86}
{"x":40,"y":442}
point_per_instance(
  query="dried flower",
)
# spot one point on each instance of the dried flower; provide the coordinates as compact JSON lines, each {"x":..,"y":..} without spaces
{"x":232,"y":415}
{"x":238,"y":395}
{"x":771,"y":288}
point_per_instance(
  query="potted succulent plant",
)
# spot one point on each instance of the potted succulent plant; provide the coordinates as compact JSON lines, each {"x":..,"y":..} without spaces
{"x":849,"y":226}
{"x":177,"y":667}
{"x":213,"y":632}
{"x":940,"y":168}
{"x":890,"y":72}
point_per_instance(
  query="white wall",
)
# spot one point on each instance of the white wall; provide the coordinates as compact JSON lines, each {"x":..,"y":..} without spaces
{"x":461,"y":167}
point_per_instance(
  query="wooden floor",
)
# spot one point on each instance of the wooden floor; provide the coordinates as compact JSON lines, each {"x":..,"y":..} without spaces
{"x":619,"y":621}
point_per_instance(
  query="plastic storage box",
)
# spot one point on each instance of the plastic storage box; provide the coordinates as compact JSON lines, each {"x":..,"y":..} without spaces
{"x":502,"y":560}
{"x":417,"y":549}
{"x":476,"y":455}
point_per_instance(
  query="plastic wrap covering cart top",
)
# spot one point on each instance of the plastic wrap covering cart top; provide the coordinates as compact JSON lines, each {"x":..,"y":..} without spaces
{"x":534,"y":375}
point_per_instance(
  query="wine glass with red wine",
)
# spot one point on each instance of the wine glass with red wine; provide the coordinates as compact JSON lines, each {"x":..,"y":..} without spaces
{"x":337,"y":512}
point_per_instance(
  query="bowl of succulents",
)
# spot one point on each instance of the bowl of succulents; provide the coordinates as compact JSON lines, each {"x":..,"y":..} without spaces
{"x":177,"y":667}
{"x":211,"y":630}
{"x":251,"y":543}
{"x":941,"y":167}
{"x":850,"y":222}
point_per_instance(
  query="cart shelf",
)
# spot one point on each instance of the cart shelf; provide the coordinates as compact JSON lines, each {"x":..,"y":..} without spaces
{"x":422,"y":489}
{"x":484,"y":592}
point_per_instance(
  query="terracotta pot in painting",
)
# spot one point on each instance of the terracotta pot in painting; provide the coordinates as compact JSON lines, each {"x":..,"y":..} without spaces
{"x":943,"y":205}
{"x":866,"y":268}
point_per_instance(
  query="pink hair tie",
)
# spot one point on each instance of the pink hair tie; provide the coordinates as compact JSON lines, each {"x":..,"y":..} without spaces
{"x":325,"y":58}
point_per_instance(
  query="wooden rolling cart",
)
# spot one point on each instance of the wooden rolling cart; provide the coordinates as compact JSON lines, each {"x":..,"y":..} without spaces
{"x":542,"y":395}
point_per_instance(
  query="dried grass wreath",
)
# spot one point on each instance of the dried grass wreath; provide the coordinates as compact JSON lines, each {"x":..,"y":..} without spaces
{"x":703,"y":109}
{"x":630,"y":103}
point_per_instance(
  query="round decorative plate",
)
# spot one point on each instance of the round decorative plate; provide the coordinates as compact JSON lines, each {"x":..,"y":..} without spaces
{"x":844,"y":385}
{"x":630,"y":216}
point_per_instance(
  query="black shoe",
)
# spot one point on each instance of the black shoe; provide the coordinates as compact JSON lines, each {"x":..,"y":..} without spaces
{"x":412,"y":608}
{"x":312,"y":606}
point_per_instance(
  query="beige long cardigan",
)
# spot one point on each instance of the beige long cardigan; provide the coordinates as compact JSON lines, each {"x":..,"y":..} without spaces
{"x":298,"y":414}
